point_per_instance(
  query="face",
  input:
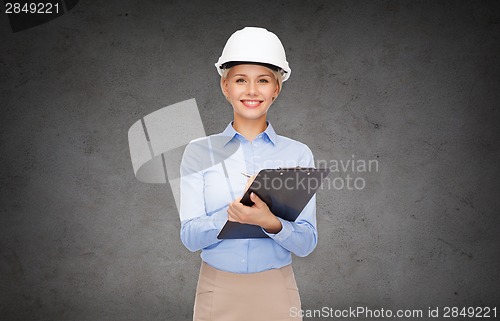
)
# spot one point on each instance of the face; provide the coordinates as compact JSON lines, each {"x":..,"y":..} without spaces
{"x":251,"y":90}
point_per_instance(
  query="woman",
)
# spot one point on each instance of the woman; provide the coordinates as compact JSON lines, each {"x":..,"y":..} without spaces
{"x":245,"y":279}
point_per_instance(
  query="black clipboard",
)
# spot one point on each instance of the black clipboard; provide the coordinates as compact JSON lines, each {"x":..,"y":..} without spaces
{"x":285,"y":190}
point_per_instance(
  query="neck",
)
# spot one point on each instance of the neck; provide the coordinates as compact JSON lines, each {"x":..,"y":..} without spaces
{"x":249,"y":128}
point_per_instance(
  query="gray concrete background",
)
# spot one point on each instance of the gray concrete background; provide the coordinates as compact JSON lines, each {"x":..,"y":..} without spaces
{"x":413,"y":84}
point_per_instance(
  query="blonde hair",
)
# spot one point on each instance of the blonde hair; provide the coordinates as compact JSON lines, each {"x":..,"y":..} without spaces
{"x":278,"y":75}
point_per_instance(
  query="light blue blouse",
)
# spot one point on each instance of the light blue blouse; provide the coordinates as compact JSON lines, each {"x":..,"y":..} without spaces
{"x":211,"y":178}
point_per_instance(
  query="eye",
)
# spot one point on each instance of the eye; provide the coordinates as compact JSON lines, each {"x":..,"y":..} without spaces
{"x":263,"y":80}
{"x":240,"y":80}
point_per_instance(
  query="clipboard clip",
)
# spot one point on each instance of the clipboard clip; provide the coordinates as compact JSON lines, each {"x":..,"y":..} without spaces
{"x":296,"y":167}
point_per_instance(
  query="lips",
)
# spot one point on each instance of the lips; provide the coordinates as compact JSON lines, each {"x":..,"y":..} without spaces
{"x":251,"y":103}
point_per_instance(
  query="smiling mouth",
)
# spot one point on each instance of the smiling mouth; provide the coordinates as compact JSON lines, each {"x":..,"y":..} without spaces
{"x":251,"y":103}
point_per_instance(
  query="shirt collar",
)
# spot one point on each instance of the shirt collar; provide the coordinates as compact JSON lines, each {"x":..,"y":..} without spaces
{"x":230,"y":133}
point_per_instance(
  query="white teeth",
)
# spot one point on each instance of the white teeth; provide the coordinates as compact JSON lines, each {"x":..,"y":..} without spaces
{"x":251,"y":102}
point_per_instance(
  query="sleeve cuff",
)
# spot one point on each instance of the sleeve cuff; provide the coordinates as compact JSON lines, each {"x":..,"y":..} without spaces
{"x":286,"y":231}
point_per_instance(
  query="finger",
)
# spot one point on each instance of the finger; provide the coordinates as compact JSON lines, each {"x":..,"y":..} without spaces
{"x":256,"y":199}
{"x":234,"y":203}
{"x":240,"y":209}
{"x":231,"y":216}
{"x":237,"y":209}
{"x":235,"y":216}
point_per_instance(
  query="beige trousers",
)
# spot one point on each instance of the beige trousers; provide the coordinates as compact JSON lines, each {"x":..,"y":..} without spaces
{"x":262,"y":296}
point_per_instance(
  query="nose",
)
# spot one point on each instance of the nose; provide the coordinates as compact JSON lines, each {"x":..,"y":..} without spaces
{"x":252,"y":89}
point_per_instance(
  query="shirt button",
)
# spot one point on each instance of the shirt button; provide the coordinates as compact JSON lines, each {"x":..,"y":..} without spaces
{"x":242,"y":261}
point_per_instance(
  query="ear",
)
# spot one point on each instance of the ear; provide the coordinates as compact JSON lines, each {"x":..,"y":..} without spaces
{"x":278,"y":90}
{"x":223,"y":86}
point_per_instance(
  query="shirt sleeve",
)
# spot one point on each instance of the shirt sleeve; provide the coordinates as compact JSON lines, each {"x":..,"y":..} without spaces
{"x":301,"y":236}
{"x":199,"y":229}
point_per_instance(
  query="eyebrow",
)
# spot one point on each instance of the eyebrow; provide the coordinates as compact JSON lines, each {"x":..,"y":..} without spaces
{"x":244,"y":75}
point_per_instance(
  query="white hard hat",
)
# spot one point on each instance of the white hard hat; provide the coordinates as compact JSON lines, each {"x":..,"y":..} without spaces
{"x":257,"y":45}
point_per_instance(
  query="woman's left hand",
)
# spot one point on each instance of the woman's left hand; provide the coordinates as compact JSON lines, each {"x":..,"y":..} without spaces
{"x":257,"y":214}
